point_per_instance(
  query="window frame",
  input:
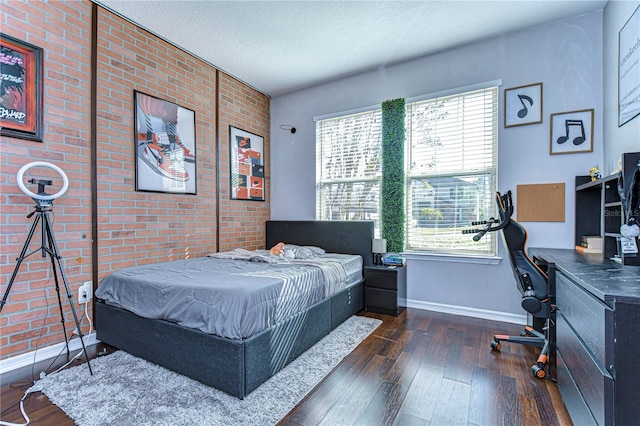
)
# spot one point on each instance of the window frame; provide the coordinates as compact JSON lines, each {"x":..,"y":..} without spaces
{"x":492,"y":171}
{"x":376,"y":178}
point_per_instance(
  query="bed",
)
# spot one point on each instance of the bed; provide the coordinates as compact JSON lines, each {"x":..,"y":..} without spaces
{"x":234,"y":363}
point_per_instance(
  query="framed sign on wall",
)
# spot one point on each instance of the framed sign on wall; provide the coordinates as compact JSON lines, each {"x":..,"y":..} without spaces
{"x":247,"y":165}
{"x":21,"y":89}
{"x":629,"y":69}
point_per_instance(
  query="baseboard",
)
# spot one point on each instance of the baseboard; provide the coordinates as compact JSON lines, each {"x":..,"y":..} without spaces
{"x":48,"y":352}
{"x":469,"y":312}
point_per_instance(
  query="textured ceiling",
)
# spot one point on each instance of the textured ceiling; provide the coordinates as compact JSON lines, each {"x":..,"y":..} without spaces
{"x":281,"y":46}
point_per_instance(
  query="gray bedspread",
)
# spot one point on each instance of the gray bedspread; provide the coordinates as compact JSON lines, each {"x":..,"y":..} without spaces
{"x":226,"y":297}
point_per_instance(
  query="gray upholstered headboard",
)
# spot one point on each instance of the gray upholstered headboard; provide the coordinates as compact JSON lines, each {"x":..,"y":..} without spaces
{"x":350,"y":237}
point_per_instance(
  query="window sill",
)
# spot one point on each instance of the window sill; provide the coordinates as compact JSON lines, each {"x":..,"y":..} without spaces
{"x":456,"y":258}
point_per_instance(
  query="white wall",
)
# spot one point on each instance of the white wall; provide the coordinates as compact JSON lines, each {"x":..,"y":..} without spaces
{"x":565,"y":56}
{"x":617,"y":139}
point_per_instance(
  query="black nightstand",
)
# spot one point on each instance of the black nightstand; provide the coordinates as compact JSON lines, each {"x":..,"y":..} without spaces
{"x":385,"y":289}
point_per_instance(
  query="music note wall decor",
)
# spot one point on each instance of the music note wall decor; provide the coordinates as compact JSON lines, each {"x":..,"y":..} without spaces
{"x":523,"y":105}
{"x":571,"y":132}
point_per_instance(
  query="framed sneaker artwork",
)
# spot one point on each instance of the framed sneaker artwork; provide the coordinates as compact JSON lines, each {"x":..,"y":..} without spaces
{"x":247,"y":165}
{"x":165,"y":139}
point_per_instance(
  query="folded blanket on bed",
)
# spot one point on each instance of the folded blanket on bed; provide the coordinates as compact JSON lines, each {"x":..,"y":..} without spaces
{"x":334,"y":274}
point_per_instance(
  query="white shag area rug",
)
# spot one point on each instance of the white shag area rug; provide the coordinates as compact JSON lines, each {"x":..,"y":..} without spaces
{"x":126,"y":390}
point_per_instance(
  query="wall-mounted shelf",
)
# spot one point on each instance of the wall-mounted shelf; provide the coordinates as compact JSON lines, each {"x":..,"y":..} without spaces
{"x":599,"y":209}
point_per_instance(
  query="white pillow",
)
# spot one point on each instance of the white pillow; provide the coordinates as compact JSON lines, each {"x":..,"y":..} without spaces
{"x":317,"y":251}
{"x":302,"y":252}
{"x":289,"y":254}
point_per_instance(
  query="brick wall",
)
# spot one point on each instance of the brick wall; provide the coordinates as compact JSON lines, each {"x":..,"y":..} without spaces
{"x":31,"y":317}
{"x":137,"y":227}
{"x":241,"y":221}
{"x":134,"y":227}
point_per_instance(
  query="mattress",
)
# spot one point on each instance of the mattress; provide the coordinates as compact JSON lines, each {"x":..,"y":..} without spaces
{"x":229,"y":297}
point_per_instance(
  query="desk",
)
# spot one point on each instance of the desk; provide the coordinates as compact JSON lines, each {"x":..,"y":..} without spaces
{"x":598,"y":337}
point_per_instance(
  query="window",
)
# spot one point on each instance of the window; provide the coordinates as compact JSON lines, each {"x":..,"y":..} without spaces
{"x":451,"y":160}
{"x":450,"y":171}
{"x":348,"y":167}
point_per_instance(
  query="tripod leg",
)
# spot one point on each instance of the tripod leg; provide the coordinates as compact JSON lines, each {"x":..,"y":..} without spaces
{"x":55,"y":278}
{"x":20,"y":259}
{"x":54,"y":253}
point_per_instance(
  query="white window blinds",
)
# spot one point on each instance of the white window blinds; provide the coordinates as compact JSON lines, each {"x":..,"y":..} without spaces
{"x":348,"y":167}
{"x":451,"y":160}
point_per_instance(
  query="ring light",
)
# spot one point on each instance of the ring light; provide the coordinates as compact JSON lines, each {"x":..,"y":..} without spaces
{"x":43,"y":197}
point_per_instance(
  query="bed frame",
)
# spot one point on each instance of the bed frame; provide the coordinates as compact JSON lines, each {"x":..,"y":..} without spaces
{"x":240,"y":366}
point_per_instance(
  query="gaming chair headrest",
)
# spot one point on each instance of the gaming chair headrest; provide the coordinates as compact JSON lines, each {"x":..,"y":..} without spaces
{"x":505,"y":205}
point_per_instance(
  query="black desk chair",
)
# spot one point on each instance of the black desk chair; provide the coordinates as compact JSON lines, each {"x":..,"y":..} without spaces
{"x":535,"y":282}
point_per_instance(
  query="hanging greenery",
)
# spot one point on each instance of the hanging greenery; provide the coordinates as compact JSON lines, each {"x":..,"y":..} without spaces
{"x":392,"y":189}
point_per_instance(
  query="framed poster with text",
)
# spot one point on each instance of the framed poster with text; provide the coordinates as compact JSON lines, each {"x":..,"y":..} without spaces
{"x":21,"y":89}
{"x":629,"y":69}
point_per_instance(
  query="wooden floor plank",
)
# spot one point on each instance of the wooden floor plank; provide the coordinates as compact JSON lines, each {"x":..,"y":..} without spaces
{"x":397,"y":343}
{"x":452,"y":404}
{"x":358,"y":396}
{"x":421,"y":399}
{"x":482,"y":401}
{"x":385,"y":405}
{"x":509,"y":409}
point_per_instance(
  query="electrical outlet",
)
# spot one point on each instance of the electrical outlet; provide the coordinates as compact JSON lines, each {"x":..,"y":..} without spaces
{"x":85,"y":292}
{"x":82,"y":295}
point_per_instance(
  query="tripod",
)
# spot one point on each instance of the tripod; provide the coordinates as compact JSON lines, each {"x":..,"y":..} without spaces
{"x":49,"y":247}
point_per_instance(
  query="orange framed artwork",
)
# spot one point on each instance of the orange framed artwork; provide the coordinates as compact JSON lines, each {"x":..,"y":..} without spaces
{"x":21,"y":89}
{"x":247,"y":165}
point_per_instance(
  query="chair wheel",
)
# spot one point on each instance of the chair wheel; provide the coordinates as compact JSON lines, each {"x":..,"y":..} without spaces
{"x":538,"y":371}
{"x":495,"y":345}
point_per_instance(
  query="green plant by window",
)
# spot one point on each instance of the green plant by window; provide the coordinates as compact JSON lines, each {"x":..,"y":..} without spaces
{"x":392,"y":187}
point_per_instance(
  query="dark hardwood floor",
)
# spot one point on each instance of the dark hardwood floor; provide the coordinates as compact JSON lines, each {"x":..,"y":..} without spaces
{"x":427,"y":368}
{"x":421,"y":368}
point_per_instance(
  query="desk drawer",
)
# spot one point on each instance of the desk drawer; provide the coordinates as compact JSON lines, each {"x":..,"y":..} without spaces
{"x":571,"y":396}
{"x":593,"y":381}
{"x":587,"y":315}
